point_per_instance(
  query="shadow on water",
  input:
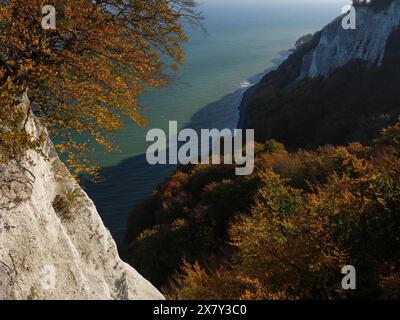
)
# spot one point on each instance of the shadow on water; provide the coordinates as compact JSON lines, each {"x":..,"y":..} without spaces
{"x":127,"y":184}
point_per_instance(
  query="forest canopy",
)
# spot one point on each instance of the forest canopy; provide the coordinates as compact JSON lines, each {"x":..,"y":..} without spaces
{"x":284,"y":232}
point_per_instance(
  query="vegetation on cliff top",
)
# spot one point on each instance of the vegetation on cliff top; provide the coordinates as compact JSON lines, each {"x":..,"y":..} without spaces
{"x":284,"y":232}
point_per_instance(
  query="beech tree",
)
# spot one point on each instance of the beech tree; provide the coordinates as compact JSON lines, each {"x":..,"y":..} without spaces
{"x":312,"y":213}
{"x":84,"y":77}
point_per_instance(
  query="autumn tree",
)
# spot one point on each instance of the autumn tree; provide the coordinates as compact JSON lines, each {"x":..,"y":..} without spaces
{"x":84,"y":77}
{"x":284,"y":232}
{"x":298,"y":236}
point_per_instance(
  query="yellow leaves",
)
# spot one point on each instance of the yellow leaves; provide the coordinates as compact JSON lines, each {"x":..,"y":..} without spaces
{"x":101,"y":140}
{"x":185,"y":38}
{"x":88,"y":73}
{"x":136,"y":117}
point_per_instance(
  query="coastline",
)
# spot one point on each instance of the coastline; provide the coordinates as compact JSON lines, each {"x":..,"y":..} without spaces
{"x":283,"y":55}
{"x":115,"y":197}
{"x":244,"y":104}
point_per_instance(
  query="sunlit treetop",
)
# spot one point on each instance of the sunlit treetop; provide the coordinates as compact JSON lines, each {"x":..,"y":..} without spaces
{"x":84,"y":77}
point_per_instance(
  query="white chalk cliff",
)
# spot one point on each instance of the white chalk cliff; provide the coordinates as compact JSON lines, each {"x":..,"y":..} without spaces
{"x":53,"y":243}
{"x":367,"y":42}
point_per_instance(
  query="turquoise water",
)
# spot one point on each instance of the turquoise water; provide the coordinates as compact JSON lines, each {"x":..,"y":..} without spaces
{"x":243,"y":39}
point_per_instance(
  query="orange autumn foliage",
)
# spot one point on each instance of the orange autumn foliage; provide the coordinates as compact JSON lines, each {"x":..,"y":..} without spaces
{"x":284,"y":232}
{"x":84,"y":77}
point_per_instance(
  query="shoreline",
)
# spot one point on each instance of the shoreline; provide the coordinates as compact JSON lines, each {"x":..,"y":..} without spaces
{"x":244,"y":104}
{"x":283,"y":55}
{"x":115,"y":198}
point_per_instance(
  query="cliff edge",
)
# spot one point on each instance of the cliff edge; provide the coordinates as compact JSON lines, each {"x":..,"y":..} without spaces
{"x":337,"y":87}
{"x":367,"y":42}
{"x":53,"y":243}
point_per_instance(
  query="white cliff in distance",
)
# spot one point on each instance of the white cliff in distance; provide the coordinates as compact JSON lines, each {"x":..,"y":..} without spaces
{"x":367,"y":42}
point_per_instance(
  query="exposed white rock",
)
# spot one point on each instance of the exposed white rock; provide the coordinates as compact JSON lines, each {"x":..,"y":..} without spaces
{"x":367,"y":42}
{"x":53,"y":244}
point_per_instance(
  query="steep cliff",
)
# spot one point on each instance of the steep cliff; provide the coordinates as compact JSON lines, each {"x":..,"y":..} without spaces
{"x":367,"y":42}
{"x":53,"y":244}
{"x":339,"y":86}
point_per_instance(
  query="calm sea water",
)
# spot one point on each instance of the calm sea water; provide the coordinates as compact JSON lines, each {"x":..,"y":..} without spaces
{"x":244,"y":38}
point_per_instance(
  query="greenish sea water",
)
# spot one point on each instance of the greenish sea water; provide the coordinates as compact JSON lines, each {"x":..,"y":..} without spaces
{"x":244,"y":38}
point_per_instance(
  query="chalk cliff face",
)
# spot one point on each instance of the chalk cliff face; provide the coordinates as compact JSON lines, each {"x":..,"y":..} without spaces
{"x":53,"y":244}
{"x":367,"y":42}
{"x":337,"y":87}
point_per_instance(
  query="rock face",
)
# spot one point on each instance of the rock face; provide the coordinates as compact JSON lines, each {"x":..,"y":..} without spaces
{"x":338,"y":46}
{"x":53,"y":244}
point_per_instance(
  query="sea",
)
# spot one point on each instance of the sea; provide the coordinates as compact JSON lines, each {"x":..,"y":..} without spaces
{"x":242,"y":40}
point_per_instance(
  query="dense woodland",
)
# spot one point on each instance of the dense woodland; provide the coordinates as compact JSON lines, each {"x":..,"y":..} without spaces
{"x":283,"y":232}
